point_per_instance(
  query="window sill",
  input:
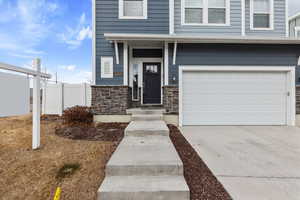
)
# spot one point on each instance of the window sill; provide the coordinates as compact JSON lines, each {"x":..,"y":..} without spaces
{"x":132,"y":17}
{"x":261,"y":29}
{"x":196,"y":24}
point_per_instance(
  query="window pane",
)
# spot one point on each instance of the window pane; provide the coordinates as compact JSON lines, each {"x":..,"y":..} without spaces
{"x":216,"y":3}
{"x":133,"y":8}
{"x":261,"y":21}
{"x":193,"y":15}
{"x":135,"y":89}
{"x":217,"y":15}
{"x":194,"y":3}
{"x":261,"y":6}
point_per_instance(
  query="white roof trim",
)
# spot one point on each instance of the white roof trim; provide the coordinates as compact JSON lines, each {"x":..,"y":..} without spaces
{"x":294,"y":16}
{"x":199,"y":39}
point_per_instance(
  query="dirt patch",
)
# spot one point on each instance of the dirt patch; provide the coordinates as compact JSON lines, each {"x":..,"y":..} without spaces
{"x":32,"y":175}
{"x":110,"y":132}
{"x":202,"y":183}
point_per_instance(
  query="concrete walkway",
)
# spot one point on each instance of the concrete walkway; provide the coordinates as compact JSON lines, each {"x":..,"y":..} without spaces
{"x":261,"y":163}
{"x":145,"y":165}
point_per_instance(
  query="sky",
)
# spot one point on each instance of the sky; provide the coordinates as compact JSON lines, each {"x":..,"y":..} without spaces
{"x":57,"y":31}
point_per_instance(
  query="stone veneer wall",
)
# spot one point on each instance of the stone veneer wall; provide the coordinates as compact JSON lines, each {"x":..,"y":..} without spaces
{"x":298,"y":99}
{"x":110,"y":100}
{"x":170,"y":99}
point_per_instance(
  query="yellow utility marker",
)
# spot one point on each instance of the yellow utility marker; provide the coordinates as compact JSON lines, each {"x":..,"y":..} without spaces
{"x":57,"y":193}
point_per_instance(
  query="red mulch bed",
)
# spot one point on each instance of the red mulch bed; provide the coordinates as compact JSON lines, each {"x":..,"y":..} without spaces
{"x":201,"y":181}
{"x":110,"y":132}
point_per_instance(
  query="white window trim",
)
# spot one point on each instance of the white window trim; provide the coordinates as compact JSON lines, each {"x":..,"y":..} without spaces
{"x":271,"y":17}
{"x":291,"y":111}
{"x":297,"y":30}
{"x":121,"y":11}
{"x":140,"y":62}
{"x":205,"y":15}
{"x":111,"y":60}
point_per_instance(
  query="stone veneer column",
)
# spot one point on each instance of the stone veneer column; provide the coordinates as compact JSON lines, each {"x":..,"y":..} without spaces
{"x":110,"y":100}
{"x":170,"y":99}
{"x":297,"y":99}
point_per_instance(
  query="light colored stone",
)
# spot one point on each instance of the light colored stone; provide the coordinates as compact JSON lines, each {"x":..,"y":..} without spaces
{"x":252,"y":162}
{"x":144,"y":188}
{"x":112,"y":118}
{"x":145,"y":128}
{"x":171,"y":119}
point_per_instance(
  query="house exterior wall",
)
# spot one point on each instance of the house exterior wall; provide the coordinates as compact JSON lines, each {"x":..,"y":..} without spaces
{"x":279,"y":21}
{"x":292,"y":24}
{"x":232,"y":54}
{"x":107,"y":21}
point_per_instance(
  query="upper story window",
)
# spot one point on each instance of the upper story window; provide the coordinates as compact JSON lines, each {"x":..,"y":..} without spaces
{"x":261,"y":14}
{"x":132,"y":9}
{"x":206,"y":12}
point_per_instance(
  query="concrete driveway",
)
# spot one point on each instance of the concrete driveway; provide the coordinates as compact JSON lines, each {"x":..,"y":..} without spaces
{"x":261,"y":163}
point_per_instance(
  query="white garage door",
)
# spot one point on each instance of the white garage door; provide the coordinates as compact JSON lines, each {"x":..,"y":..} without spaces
{"x":234,"y":98}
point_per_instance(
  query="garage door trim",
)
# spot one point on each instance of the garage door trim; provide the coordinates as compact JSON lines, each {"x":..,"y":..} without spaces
{"x":291,"y":110}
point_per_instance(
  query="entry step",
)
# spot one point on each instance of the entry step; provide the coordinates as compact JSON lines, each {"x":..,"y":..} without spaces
{"x":147,"y":117}
{"x":140,"y":111}
{"x":145,"y":156}
{"x":144,"y":187}
{"x":144,"y":128}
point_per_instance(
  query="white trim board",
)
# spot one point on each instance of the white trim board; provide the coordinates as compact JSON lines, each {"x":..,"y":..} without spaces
{"x":291,"y":109}
{"x":139,"y":62}
{"x":185,"y":38}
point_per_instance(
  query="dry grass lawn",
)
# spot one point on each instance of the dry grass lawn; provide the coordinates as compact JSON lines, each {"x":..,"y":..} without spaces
{"x":27,"y":174}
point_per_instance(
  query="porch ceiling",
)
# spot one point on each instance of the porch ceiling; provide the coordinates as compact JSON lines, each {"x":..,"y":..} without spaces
{"x":199,"y":39}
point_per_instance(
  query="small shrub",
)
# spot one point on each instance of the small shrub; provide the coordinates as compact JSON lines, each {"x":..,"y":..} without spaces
{"x":78,"y":115}
{"x":67,"y":170}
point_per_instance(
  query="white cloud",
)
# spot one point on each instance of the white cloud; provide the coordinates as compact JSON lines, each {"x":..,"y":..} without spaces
{"x":31,"y":25}
{"x":74,"y":36}
{"x":68,"y":67}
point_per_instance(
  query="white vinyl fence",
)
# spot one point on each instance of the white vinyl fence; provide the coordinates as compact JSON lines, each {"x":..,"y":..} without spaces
{"x":58,"y":97}
{"x":14,"y":95}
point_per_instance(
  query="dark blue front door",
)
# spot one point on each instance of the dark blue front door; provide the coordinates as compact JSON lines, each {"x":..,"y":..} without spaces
{"x":152,"y":83}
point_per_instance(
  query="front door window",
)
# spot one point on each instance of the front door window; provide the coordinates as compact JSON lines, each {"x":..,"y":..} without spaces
{"x":135,"y":86}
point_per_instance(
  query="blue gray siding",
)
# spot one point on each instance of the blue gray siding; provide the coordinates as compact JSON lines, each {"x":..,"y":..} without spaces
{"x":233,"y":29}
{"x":107,"y":21}
{"x":292,"y":24}
{"x":279,"y":21}
{"x":241,"y":55}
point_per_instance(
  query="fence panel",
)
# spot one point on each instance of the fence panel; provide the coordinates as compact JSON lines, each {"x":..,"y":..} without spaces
{"x":14,"y":95}
{"x":57,"y":97}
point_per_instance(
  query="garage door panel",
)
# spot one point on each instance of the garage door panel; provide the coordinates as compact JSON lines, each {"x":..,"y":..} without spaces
{"x":234,"y":98}
{"x":244,"y":100}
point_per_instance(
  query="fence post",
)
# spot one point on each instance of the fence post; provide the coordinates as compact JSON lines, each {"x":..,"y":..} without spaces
{"x":36,"y":107}
{"x":61,"y":92}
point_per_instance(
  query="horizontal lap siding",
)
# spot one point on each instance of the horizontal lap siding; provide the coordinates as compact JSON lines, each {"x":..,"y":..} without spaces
{"x":241,"y":55}
{"x":107,"y":21}
{"x":233,"y":29}
{"x":279,"y":21}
